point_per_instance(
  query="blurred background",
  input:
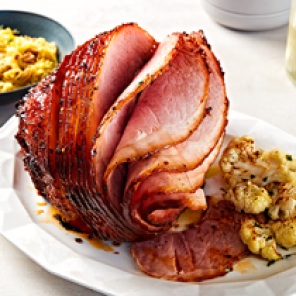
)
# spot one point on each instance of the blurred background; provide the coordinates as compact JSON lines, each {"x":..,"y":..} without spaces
{"x":254,"y":62}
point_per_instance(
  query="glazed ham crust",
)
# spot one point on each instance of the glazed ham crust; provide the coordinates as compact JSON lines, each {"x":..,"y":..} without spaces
{"x":72,"y":102}
{"x":120,"y":136}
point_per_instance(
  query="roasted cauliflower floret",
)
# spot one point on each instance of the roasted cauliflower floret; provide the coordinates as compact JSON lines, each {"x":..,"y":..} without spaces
{"x":239,"y":161}
{"x":258,"y":180}
{"x":284,"y":201}
{"x":242,"y":161}
{"x":259,"y":239}
{"x":262,"y":181}
{"x":285,"y":232}
{"x":249,"y":197}
{"x":280,"y":167}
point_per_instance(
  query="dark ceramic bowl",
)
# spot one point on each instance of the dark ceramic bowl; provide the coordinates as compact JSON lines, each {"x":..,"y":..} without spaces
{"x":34,"y":25}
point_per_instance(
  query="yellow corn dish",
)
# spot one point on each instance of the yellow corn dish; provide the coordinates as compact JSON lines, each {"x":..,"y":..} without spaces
{"x":24,"y":60}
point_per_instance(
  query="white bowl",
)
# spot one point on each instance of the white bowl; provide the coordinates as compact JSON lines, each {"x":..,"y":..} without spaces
{"x":248,"y":15}
{"x":252,"y":6}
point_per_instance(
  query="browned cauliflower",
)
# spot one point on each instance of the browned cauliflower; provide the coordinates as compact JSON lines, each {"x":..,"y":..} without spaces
{"x":249,"y":197}
{"x":258,"y":180}
{"x":280,"y":167}
{"x":284,"y":201}
{"x":239,"y":161}
{"x":259,"y":239}
{"x":285,"y":232}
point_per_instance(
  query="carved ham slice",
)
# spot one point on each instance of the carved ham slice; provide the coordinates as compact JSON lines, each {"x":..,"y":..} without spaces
{"x":162,"y":116}
{"x":205,"y":251}
{"x":177,"y":58}
{"x":167,"y":112}
{"x":114,"y":122}
{"x":169,"y":190}
{"x":191,"y":152}
{"x":179,"y":168}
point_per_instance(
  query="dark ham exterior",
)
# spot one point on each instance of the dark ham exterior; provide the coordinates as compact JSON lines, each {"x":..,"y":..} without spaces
{"x":120,"y":136}
{"x":205,"y":251}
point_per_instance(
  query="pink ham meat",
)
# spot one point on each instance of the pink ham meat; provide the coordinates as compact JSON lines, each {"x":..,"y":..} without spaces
{"x":114,"y":122}
{"x":190,"y":153}
{"x":166,"y":191}
{"x":205,"y":251}
{"x":179,"y":170}
{"x":120,"y":136}
{"x":162,"y":118}
{"x":169,"y":62}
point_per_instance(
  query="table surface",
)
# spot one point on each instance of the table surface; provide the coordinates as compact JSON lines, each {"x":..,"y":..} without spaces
{"x":255,"y":77}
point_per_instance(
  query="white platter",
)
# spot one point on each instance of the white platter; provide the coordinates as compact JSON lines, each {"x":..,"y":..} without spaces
{"x":27,"y":225}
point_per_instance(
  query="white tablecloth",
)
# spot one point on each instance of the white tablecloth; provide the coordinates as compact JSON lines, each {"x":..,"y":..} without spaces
{"x":255,"y":78}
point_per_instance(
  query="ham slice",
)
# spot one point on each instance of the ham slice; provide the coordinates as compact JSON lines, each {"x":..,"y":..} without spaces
{"x":190,"y":153}
{"x":179,"y":168}
{"x":167,"y":112}
{"x":153,"y":124}
{"x":173,"y":54}
{"x":167,"y":190}
{"x":204,"y":251}
{"x":114,"y":122}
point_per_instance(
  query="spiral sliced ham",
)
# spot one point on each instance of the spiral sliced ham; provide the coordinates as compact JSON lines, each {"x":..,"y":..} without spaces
{"x":120,"y":136}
